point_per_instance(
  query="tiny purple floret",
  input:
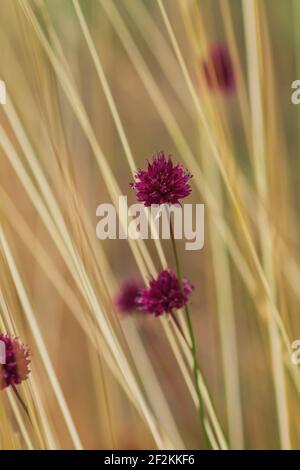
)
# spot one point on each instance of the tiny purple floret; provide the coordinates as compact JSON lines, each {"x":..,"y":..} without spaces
{"x":162,"y":182}
{"x":164,"y":294}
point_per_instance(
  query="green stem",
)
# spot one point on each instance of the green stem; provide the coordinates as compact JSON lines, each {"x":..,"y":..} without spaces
{"x":193,"y":343}
{"x":21,"y":401}
{"x":179,"y":328}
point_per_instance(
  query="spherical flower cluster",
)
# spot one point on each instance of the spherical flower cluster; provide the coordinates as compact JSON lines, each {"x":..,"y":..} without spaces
{"x":126,"y":299}
{"x":164,"y":294}
{"x":16,"y":361}
{"x":162,"y":182}
{"x":219,"y":70}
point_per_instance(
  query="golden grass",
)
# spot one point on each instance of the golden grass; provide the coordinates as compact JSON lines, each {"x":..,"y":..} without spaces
{"x":101,"y":86}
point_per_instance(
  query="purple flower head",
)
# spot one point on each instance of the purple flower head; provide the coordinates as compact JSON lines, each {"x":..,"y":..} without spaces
{"x":17,"y":359}
{"x":164,"y":294}
{"x":218,"y":69}
{"x":162,"y":182}
{"x":126,"y":299}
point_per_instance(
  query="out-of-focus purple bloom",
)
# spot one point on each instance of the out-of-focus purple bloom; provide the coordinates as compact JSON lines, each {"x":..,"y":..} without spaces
{"x":17,"y":359}
{"x":162,"y":182}
{"x":218,"y":69}
{"x":164,"y":294}
{"x":126,"y":299}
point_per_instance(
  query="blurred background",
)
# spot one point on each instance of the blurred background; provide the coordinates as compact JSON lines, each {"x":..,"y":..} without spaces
{"x":94,"y":88}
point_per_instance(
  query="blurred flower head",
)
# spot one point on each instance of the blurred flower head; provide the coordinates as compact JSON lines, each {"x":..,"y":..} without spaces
{"x":17,"y":359}
{"x":164,"y":294}
{"x":126,"y":298}
{"x":218,"y":69}
{"x":162,"y":182}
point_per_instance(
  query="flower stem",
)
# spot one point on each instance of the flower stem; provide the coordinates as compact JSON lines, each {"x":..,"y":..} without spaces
{"x":193,"y":343}
{"x":179,"y":328}
{"x":21,"y":401}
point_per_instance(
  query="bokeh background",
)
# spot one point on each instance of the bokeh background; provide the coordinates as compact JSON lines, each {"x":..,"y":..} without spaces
{"x":94,"y":88}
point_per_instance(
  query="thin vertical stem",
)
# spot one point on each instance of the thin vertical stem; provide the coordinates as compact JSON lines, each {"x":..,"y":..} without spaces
{"x":193,"y":342}
{"x":20,"y":399}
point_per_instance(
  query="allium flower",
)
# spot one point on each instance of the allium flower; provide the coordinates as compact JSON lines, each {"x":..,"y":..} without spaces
{"x":162,"y":182}
{"x":126,"y":299}
{"x":17,"y":360}
{"x":218,"y":69}
{"x":164,"y":294}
